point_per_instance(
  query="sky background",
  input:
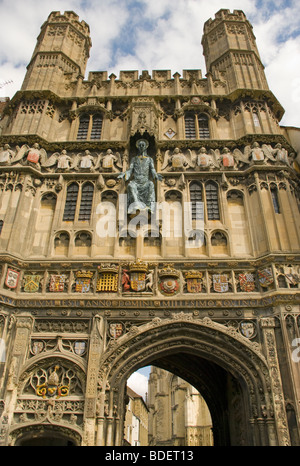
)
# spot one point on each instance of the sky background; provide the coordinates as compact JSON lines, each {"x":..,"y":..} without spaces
{"x":156,"y":34}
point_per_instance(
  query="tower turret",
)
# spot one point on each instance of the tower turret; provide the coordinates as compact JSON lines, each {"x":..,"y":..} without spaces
{"x":62,"y":49}
{"x":230,"y":51}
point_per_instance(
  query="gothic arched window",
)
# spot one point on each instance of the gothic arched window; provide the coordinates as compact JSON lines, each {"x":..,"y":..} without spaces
{"x":90,"y":127}
{"x":212,"y":201}
{"x":190,"y":125}
{"x":71,"y":202}
{"x":196,"y":200}
{"x":196,"y":126}
{"x":96,"y":127}
{"x":87,"y":194}
{"x":83,"y":127}
{"x":275,"y":200}
{"x":203,"y":126}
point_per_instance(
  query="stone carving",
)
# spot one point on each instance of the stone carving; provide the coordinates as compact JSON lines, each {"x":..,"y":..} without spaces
{"x":35,"y":155}
{"x":169,"y":283}
{"x":6,"y":155}
{"x":207,"y":160}
{"x":141,"y":194}
{"x":110,"y":162}
{"x":177,"y":161}
{"x":61,"y":160}
{"x":137,"y":277}
{"x":52,"y":386}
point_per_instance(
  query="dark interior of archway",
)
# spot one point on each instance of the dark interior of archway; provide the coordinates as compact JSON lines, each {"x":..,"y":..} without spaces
{"x":46,"y":441}
{"x":210,"y":380}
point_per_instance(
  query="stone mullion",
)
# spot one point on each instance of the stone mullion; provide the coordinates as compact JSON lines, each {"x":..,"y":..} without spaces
{"x":95,"y":351}
{"x":293,"y":365}
{"x":280,"y":417}
{"x":23,"y":328}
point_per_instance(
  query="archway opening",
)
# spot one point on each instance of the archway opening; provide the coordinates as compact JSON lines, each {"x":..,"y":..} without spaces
{"x":39,"y":436}
{"x":188,"y":383}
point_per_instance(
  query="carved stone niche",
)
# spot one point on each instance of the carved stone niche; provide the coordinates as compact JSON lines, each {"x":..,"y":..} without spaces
{"x":144,"y":117}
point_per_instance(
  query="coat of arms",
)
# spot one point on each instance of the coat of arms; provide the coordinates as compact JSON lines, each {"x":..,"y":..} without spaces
{"x":52,"y":386}
{"x":12,"y":278}
{"x":169,"y":281}
{"x":247,"y":281}
{"x":57,"y":283}
{"x":83,"y":282}
{"x":80,"y":347}
{"x":32,"y":283}
{"x":138,"y":272}
{"x":116,"y":330}
{"x":227,"y":158}
{"x":265,"y":277}
{"x":292,"y":278}
{"x":248,"y":329}
{"x":220,"y":283}
{"x":108,"y":278}
{"x":194,"y":281}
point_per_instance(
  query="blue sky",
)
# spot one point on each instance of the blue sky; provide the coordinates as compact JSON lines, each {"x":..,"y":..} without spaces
{"x":163,"y":34}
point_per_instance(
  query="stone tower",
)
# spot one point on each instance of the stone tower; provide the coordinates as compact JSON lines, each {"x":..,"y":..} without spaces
{"x":61,"y":52}
{"x":230,"y":51}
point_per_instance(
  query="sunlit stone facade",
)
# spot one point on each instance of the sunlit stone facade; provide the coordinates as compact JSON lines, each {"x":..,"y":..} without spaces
{"x":206,"y":286}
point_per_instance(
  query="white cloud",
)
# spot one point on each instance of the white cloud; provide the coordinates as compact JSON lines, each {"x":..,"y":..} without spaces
{"x":138,"y":383}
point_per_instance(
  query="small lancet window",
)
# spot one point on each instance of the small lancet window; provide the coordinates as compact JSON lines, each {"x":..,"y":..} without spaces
{"x":275,"y":200}
{"x":83,"y":127}
{"x":97,"y":127}
{"x":87,"y":194}
{"x":190,"y":127}
{"x":212,"y":201}
{"x":71,"y":202}
{"x":196,"y":200}
{"x":203,"y":126}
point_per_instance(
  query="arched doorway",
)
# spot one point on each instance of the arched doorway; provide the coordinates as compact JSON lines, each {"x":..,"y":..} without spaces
{"x":45,"y":436}
{"x":229,"y":371}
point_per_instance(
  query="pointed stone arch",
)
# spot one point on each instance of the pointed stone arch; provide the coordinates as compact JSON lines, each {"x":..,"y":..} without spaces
{"x":215,"y":353}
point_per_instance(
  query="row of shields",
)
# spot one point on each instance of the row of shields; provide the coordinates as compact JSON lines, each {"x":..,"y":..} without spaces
{"x":169,"y":281}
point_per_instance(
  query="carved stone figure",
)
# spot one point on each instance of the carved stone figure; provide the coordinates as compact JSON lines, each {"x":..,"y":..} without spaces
{"x":177,"y":160}
{"x":280,"y":154}
{"x":227,"y":158}
{"x":61,"y":160}
{"x":205,"y":160}
{"x":87,"y":160}
{"x":110,"y":161}
{"x":35,"y":155}
{"x":6,"y":155}
{"x":141,"y":194}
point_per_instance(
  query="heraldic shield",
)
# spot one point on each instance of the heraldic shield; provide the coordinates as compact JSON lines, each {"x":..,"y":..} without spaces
{"x":265,"y":277}
{"x":12,"y":278}
{"x":138,"y":275}
{"x":169,"y":283}
{"x":220,"y":283}
{"x":247,"y":281}
{"x":32,"y":283}
{"x":194,"y":281}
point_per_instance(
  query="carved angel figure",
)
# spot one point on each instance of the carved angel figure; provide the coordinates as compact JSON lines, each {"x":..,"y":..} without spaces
{"x":110,"y":161}
{"x":205,"y":160}
{"x":87,"y":160}
{"x":35,"y":155}
{"x":280,"y":154}
{"x":6,"y":155}
{"x":227,"y":158}
{"x":242,"y":158}
{"x":62,"y":160}
{"x":178,"y":160}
